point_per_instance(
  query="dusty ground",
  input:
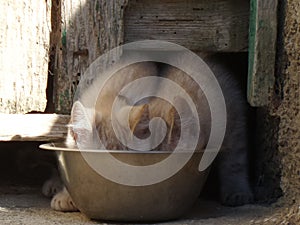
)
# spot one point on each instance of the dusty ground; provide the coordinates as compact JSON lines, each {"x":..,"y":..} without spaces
{"x":26,"y":205}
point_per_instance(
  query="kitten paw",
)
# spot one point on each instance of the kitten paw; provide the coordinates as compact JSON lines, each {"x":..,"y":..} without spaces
{"x":52,"y":186}
{"x":237,"y":199}
{"x":63,"y":202}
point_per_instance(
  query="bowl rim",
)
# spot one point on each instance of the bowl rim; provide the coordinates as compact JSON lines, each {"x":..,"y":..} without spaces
{"x":61,"y":146}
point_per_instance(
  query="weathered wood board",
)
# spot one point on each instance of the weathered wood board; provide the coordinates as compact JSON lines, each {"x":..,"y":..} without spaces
{"x":262,"y":51}
{"x":33,"y":127}
{"x":93,"y":27}
{"x":200,"y":25}
{"x":90,"y":28}
{"x":24,"y":44}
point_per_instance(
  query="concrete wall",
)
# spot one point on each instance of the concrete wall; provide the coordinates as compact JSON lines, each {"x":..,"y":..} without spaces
{"x":279,"y":164}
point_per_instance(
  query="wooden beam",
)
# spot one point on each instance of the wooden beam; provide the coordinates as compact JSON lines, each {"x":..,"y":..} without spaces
{"x":33,"y":127}
{"x":207,"y":25}
{"x":262,"y":50}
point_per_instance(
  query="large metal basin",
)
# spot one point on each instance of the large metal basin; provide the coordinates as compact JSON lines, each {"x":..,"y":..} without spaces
{"x":101,"y":198}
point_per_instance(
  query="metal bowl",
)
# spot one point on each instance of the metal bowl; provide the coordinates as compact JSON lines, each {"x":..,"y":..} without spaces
{"x":101,"y":198}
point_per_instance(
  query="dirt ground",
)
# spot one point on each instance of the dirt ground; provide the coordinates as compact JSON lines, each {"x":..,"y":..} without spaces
{"x":26,"y":205}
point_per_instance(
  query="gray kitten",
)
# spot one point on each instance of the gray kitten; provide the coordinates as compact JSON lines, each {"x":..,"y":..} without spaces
{"x":232,"y":160}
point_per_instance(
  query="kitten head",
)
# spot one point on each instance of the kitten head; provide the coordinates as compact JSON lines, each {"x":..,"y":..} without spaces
{"x":130,"y":123}
{"x":89,"y":129}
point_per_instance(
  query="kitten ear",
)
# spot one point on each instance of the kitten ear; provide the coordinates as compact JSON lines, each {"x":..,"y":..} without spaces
{"x":81,"y":124}
{"x":186,"y":121}
{"x":172,"y":120}
{"x":139,"y":120}
{"x":181,"y":118}
{"x":138,"y":116}
{"x":80,"y":117}
{"x":183,"y":108}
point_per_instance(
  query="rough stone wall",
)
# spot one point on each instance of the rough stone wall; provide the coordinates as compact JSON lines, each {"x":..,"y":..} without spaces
{"x":289,"y":111}
{"x":267,"y":159}
{"x":286,"y":107}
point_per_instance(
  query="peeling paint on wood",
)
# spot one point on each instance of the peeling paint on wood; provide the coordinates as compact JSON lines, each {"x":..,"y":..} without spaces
{"x":262,"y":50}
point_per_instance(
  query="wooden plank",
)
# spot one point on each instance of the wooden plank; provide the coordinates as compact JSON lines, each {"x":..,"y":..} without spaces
{"x":33,"y":127}
{"x":206,"y":25}
{"x":262,"y":51}
{"x":90,"y":28}
{"x":24,"y":44}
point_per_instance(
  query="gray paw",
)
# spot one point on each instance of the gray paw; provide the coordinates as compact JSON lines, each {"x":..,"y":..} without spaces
{"x":62,"y":201}
{"x":237,"y":198}
{"x":52,"y":186}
